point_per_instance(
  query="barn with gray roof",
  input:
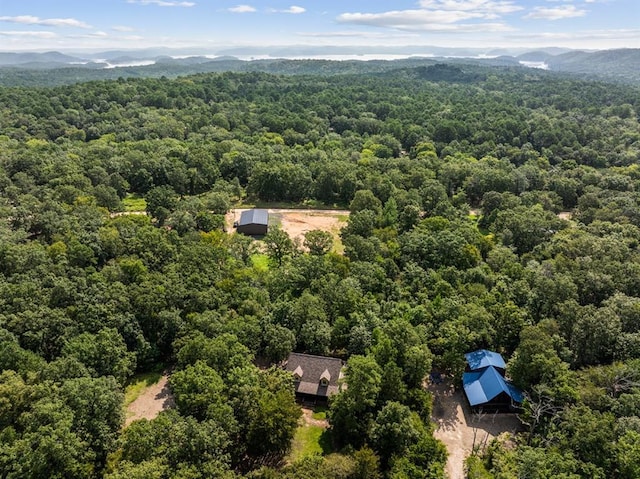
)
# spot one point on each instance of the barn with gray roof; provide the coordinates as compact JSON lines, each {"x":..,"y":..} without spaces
{"x":253,"y":222}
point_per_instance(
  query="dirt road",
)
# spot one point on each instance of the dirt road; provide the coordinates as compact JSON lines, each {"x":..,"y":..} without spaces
{"x":460,"y":430}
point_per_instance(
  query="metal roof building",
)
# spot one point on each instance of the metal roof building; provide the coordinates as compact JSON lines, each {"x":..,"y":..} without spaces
{"x":484,"y":383}
{"x":253,"y":222}
{"x":483,"y":358}
{"x":488,"y":387}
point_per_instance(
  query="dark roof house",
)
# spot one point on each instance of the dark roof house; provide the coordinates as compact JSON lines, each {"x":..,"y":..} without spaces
{"x":316,"y":377}
{"x":484,"y":383}
{"x":253,"y":222}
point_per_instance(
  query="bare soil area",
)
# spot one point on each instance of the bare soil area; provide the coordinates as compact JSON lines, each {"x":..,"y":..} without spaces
{"x":461,"y":430}
{"x":307,"y":417}
{"x":297,"y":223}
{"x":155,"y":399}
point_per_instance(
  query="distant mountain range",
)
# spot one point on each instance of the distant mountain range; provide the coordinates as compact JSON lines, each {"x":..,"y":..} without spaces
{"x":617,"y":65}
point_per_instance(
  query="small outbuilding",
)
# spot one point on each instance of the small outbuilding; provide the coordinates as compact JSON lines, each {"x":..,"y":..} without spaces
{"x":316,"y":377}
{"x":485,"y":385}
{"x":253,"y":222}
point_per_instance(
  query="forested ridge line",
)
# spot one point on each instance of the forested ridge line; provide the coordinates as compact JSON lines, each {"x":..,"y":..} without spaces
{"x":53,"y":68}
{"x":88,"y":299}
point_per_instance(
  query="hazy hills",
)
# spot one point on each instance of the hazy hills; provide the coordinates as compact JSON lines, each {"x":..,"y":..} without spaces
{"x":33,"y":68}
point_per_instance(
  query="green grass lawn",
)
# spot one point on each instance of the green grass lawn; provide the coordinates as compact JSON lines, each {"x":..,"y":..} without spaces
{"x":338,"y":247}
{"x":138,"y":383}
{"x":309,"y":440}
{"x":319,"y":413}
{"x":134,"y":203}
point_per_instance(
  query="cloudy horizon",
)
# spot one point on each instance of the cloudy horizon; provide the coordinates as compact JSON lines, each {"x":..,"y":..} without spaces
{"x":202,"y":24}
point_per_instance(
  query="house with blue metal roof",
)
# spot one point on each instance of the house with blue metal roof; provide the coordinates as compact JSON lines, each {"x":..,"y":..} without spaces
{"x":483,"y":358}
{"x":253,"y":222}
{"x":484,"y":383}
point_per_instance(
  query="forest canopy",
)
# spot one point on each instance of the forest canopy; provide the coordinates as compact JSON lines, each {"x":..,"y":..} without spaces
{"x":489,"y":209}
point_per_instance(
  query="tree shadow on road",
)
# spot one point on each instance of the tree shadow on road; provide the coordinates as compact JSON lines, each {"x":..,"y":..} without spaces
{"x":167,"y":396}
{"x":445,"y":402}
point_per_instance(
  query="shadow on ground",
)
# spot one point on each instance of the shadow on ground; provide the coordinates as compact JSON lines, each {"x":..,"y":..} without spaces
{"x":166,"y":397}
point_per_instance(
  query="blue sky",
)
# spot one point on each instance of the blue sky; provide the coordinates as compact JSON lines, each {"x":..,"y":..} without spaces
{"x":106,"y":24}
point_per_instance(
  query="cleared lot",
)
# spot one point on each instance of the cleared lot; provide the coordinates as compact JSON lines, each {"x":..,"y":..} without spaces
{"x":298,"y":222}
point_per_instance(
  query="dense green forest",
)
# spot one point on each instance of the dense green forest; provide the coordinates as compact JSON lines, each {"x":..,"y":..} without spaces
{"x":455,"y":179}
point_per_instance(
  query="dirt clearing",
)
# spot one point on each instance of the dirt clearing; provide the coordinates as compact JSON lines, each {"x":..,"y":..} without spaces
{"x":298,"y":222}
{"x":460,"y":429}
{"x":152,"y":401}
{"x":309,"y":420}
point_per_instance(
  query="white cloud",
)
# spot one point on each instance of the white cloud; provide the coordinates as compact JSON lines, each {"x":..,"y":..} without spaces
{"x":422,"y":20}
{"x":98,"y":34}
{"x":122,"y":28}
{"x":46,"y":35}
{"x":470,"y":28}
{"x":405,"y":19}
{"x":242,"y":9}
{"x":555,"y":13}
{"x":490,"y":7}
{"x":50,"y":22}
{"x":162,"y":3}
{"x":294,"y":9}
{"x":439,"y":15}
{"x":410,"y":19}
